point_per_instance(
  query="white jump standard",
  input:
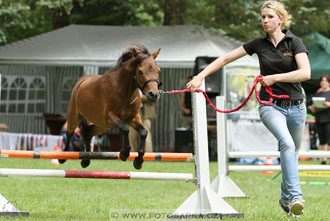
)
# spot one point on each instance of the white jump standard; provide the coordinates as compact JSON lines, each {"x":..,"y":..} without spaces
{"x":204,"y":201}
{"x":7,"y":209}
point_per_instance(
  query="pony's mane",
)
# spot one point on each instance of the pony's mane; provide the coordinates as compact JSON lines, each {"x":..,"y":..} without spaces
{"x":138,"y":51}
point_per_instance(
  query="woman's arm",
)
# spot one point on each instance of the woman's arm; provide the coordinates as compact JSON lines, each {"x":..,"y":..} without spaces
{"x":182,"y":107}
{"x":302,"y":74}
{"x":216,"y":65}
{"x":313,"y":108}
{"x":182,"y":102}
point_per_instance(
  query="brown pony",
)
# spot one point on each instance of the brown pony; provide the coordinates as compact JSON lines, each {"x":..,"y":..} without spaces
{"x":113,"y":100}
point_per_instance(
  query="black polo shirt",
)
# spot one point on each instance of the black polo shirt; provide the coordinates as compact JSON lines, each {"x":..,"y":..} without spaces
{"x":276,"y":60}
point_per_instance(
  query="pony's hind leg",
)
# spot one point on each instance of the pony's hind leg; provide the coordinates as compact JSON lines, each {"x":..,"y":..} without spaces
{"x":138,"y":161}
{"x":124,"y":152}
{"x":124,"y":129}
{"x":73,"y":121}
{"x":67,"y":145}
{"x":88,"y":132}
{"x":86,"y":135}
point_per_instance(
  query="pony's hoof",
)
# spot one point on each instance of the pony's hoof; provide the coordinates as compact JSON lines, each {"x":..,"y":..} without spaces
{"x":137,"y":163}
{"x":85,"y":163}
{"x":123,"y":156}
{"x":61,"y":161}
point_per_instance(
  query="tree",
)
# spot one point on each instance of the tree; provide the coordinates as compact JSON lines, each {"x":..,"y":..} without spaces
{"x":239,"y":19}
{"x":174,"y":11}
{"x":12,"y":14}
{"x":114,"y":12}
{"x":311,"y":15}
{"x":25,"y":18}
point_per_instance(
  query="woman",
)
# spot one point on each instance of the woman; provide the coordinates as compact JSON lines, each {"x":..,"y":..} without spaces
{"x":322,"y":115}
{"x":284,"y":63}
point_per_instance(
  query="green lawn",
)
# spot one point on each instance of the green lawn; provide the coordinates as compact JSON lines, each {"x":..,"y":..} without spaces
{"x":92,"y":199}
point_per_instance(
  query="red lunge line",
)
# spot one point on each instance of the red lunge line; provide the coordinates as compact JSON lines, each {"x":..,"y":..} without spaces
{"x":268,"y":89}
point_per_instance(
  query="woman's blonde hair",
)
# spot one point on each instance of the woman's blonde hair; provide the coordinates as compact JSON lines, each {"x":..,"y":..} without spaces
{"x":280,"y":10}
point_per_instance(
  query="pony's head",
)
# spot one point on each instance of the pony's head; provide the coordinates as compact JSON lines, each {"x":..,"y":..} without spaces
{"x":146,"y":70}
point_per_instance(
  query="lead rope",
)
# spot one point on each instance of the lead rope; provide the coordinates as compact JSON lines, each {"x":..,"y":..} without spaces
{"x":268,"y":89}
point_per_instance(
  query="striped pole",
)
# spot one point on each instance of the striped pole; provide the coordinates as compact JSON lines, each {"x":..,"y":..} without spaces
{"x":276,"y":154}
{"x":5,"y":172}
{"x":315,"y":183}
{"x":278,"y":168}
{"x":66,"y":155}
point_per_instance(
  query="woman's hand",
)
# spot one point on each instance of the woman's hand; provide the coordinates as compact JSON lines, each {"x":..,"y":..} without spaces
{"x":267,"y":80}
{"x":313,"y":108}
{"x":195,"y":83}
{"x":326,"y":104}
{"x":186,"y":111}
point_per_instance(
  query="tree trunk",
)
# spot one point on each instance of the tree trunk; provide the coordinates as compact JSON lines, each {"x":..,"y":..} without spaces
{"x":174,"y":12}
{"x":60,"y":18}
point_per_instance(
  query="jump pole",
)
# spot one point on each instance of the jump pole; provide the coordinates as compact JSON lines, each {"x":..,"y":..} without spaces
{"x":5,"y":172}
{"x":278,"y":168}
{"x":26,"y":154}
{"x":276,"y":154}
{"x":204,"y":201}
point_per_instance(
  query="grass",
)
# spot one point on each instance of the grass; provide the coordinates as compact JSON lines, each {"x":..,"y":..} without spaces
{"x":93,"y":199}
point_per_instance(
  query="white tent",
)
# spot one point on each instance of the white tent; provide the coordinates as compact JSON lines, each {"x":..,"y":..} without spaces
{"x":102,"y":45}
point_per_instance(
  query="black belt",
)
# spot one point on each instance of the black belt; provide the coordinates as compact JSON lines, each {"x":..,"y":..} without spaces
{"x":287,"y":103}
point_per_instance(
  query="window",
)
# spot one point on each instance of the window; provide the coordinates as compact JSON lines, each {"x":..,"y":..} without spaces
{"x":4,"y":95}
{"x":23,"y":94}
{"x":66,"y":92}
{"x":36,"y":99}
{"x":17,"y":96}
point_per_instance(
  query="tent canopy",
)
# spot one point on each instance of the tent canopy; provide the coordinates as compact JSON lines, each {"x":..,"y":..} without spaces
{"x":102,"y":45}
{"x":318,"y":47}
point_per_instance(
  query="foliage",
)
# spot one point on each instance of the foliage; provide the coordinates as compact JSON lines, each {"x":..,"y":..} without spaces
{"x":11,"y":14}
{"x":67,"y":5}
{"x":311,"y":15}
{"x":25,"y":18}
{"x":240,"y":19}
{"x":114,"y":12}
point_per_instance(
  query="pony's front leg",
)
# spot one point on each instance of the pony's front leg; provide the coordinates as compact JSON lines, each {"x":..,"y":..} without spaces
{"x":136,"y":124}
{"x":138,"y":161}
